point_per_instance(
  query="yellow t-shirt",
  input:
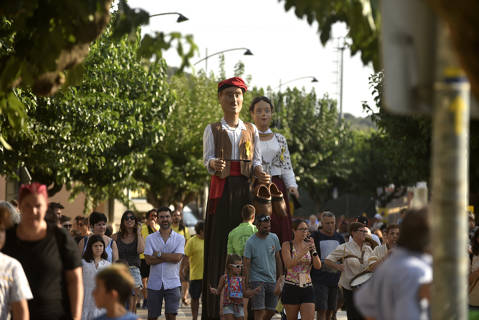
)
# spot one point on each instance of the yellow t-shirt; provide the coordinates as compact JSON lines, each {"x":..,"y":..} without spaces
{"x":194,"y":250}
{"x":145,"y":233}
{"x":185,"y":233}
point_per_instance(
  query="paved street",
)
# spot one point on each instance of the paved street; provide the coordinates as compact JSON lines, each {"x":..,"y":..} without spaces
{"x":185,"y":314}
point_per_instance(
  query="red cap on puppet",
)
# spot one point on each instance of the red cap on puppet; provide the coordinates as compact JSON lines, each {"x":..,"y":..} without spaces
{"x":34,"y":188}
{"x":232,"y":82}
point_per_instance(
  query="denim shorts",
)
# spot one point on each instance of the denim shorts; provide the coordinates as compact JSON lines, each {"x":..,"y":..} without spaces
{"x":235,"y":309}
{"x":265,"y":299}
{"x":135,"y":273}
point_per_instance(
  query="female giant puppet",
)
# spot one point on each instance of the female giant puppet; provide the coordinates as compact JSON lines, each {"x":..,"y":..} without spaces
{"x":231,"y":155}
{"x":276,"y":161}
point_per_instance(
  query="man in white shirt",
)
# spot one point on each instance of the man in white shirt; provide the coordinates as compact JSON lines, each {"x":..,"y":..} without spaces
{"x":232,"y":157}
{"x":163,"y":252}
{"x":355,"y":256}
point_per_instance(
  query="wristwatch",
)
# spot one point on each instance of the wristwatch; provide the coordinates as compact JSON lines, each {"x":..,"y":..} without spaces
{"x":315,"y":253}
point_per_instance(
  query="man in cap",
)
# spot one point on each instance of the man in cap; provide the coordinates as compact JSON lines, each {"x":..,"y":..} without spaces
{"x":232,"y":157}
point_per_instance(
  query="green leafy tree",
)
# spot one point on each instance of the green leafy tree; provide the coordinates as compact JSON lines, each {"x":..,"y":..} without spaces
{"x":176,"y":171}
{"x":405,"y":143}
{"x":360,"y":16}
{"x":363,"y":20}
{"x":93,"y":136}
{"x":406,"y":139}
{"x":318,"y":145}
{"x":397,"y":152}
{"x":43,"y":43}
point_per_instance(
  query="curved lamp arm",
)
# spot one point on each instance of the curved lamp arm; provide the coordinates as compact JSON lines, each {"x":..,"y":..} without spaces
{"x":246,"y":53}
{"x":313,"y":79}
{"x":181,"y":17}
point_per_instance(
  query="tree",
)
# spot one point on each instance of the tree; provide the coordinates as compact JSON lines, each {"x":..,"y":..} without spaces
{"x":176,"y":171}
{"x":42,"y":44}
{"x":397,"y":152}
{"x":92,"y":137}
{"x":363,"y":19}
{"x":318,"y":145}
{"x":406,"y":143}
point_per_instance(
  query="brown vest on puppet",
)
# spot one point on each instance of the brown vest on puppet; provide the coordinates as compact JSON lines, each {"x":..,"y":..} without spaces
{"x":223,"y":149}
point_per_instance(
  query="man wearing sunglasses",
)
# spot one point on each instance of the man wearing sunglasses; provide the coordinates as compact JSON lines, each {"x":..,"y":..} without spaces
{"x":263,"y":267}
{"x":80,"y":228}
{"x":66,"y":223}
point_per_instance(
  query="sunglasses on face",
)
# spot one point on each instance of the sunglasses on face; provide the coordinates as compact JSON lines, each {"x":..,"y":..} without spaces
{"x":129,"y":218}
{"x":67,"y":226}
{"x":265,"y":218}
{"x":236,"y":265}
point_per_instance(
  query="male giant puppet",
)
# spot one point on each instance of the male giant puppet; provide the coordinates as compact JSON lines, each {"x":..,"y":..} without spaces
{"x":231,"y":155}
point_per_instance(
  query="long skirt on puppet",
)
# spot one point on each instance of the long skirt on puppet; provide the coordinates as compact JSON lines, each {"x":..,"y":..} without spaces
{"x":222,"y":216}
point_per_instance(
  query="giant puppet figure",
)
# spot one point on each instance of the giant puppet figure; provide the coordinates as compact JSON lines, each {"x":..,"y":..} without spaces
{"x":231,"y":155}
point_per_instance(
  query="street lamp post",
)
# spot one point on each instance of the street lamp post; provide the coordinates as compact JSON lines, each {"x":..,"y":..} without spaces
{"x":246,"y":53}
{"x":313,"y":79}
{"x":181,"y":18}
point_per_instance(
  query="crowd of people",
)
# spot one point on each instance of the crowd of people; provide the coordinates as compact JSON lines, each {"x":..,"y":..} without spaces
{"x":55,"y":277}
{"x":248,"y":260}
{"x":51,"y":268}
{"x":311,"y":266}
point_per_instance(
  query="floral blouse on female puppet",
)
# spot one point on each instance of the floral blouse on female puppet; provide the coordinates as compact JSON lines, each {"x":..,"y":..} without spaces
{"x":276,"y":161}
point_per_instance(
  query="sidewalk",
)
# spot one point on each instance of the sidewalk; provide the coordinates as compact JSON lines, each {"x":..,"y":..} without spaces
{"x":184,"y":313}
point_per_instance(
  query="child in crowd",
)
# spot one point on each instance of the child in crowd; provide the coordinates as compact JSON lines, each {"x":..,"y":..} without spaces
{"x":113,"y":288}
{"x":234,"y":291}
{"x":14,"y":288}
{"x":94,"y":259}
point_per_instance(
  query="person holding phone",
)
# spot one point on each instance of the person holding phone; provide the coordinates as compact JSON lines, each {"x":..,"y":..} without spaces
{"x":299,"y":256}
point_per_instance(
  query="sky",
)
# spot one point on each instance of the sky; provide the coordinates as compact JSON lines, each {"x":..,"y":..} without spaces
{"x":284,"y":47}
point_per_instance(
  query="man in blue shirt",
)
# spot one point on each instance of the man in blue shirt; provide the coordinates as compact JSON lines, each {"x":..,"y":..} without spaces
{"x":325,"y":280}
{"x":263,"y":267}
